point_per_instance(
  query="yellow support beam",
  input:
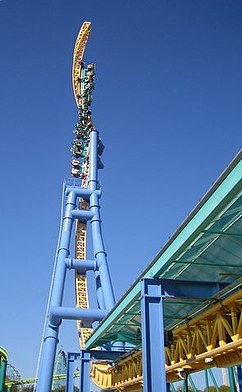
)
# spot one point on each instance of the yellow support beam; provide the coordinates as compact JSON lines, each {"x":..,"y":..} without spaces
{"x":79,"y":49}
{"x":214,"y":338}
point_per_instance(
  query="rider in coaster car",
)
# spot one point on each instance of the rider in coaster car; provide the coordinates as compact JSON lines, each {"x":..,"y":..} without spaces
{"x":89,"y":86}
{"x":77,"y":143}
{"x":90,"y":66}
{"x":75,"y":172}
{"x":75,"y":163}
{"x":77,"y":153}
{"x":79,"y":134}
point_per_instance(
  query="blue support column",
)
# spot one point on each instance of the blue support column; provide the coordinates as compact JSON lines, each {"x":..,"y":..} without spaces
{"x":185,"y":384}
{"x":153,"y":350}
{"x":105,"y":294}
{"x":172,"y":388}
{"x":206,"y":380}
{"x":210,"y":372}
{"x":3,"y":367}
{"x":104,"y":290}
{"x":231,"y":380}
{"x":239,"y":373}
{"x":192,"y":383}
{"x":85,"y":371}
{"x":70,"y":372}
{"x":52,"y":329}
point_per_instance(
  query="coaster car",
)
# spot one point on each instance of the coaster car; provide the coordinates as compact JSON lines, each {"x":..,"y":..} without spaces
{"x":75,"y":173}
{"x":77,"y":153}
{"x":76,"y":143}
{"x":80,"y":134}
{"x":76,"y":164}
{"x":90,"y":67}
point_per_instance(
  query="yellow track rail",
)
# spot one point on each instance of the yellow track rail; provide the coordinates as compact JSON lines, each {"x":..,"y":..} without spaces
{"x":81,"y":229}
{"x":78,"y":56}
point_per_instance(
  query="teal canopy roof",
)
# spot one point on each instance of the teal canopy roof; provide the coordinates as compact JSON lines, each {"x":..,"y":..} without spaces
{"x":207,"y":247}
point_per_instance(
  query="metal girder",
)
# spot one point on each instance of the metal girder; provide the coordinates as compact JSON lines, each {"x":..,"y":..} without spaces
{"x":71,"y":357}
{"x":190,"y":289}
{"x":214,"y":338}
{"x":153,"y":358}
{"x":85,"y":371}
{"x":233,"y":233}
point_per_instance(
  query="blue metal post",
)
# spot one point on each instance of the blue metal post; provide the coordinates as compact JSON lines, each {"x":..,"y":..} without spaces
{"x":153,"y":350}
{"x":206,"y":380}
{"x":85,"y":371}
{"x":185,"y":384}
{"x":105,"y":292}
{"x":231,"y":380}
{"x":210,"y":372}
{"x":239,"y":373}
{"x":52,"y":330}
{"x":192,"y":383}
{"x":3,"y":367}
{"x":172,"y":388}
{"x":70,"y":372}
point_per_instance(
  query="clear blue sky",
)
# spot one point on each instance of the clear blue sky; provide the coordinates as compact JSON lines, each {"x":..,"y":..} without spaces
{"x":167,"y":104}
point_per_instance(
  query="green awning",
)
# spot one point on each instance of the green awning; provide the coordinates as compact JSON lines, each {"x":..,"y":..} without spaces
{"x":207,"y":247}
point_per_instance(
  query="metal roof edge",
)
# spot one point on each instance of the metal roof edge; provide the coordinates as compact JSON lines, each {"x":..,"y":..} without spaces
{"x":152,"y":269}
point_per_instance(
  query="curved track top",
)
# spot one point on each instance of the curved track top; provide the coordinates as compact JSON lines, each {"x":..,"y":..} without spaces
{"x":77,"y":58}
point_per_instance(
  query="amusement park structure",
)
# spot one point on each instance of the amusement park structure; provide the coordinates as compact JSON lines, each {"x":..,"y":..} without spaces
{"x":9,"y":375}
{"x":182,"y":315}
{"x":3,"y":367}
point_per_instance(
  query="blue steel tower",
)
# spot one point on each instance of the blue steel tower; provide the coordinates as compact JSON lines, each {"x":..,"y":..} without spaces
{"x":81,"y":196}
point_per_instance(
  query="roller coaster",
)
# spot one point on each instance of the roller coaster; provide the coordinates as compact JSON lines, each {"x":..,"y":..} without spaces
{"x":182,"y":315}
{"x":12,"y":377}
{"x":9,"y":375}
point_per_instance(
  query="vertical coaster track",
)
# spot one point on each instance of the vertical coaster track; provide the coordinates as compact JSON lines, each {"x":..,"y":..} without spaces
{"x":83,"y":79}
{"x":83,"y":84}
